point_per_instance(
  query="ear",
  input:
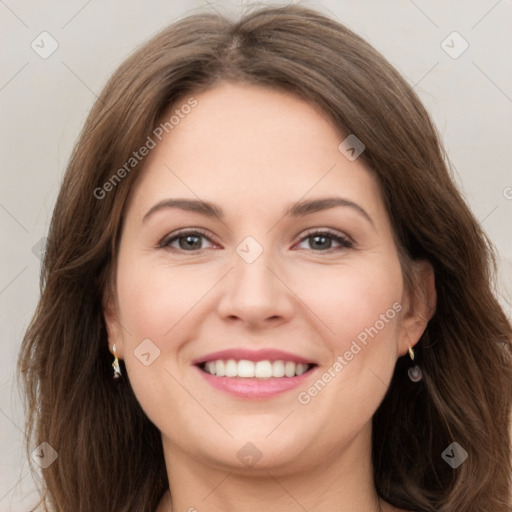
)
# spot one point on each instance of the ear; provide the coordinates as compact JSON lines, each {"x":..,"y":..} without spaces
{"x":419,"y":305}
{"x":114,"y":329}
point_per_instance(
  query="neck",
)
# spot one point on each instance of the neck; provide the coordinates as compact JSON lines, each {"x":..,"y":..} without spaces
{"x":342,"y":482}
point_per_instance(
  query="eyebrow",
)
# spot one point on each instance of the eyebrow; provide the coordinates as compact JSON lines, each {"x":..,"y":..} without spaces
{"x":299,"y":209}
{"x":306,"y":207}
{"x":190,"y":205}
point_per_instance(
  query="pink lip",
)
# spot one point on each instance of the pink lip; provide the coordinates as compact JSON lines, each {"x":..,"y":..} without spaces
{"x":254,"y":388}
{"x":252,"y":355}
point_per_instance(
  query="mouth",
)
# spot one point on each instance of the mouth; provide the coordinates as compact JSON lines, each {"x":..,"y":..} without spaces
{"x":249,"y":374}
{"x":245,"y":369}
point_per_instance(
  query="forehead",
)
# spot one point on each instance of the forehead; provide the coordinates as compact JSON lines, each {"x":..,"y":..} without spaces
{"x":250,"y":147}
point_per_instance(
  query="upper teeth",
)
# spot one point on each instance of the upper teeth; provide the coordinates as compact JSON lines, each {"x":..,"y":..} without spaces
{"x":250,"y":369}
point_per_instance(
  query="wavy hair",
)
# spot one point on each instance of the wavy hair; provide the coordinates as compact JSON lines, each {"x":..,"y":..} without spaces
{"x":110,"y":455}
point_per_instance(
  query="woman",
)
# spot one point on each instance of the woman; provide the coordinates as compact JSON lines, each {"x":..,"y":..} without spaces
{"x":259,"y":225}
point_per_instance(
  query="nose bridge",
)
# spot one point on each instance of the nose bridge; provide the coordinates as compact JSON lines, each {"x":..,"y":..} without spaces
{"x":255,"y":278}
{"x":252,"y":292}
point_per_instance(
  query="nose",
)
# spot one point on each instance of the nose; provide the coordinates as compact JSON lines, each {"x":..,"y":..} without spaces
{"x":255,"y":294}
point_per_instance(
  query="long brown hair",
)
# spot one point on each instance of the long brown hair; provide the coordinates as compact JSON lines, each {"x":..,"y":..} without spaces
{"x":109,"y":454}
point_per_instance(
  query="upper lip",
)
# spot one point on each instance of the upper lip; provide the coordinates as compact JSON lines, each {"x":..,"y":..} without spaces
{"x":237,"y":354}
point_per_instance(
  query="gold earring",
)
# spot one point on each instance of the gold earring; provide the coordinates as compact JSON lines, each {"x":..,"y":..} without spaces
{"x":414,"y":372}
{"x":115,"y":364}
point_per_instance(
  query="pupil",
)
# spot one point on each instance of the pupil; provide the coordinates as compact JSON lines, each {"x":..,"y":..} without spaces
{"x":191,"y":242}
{"x":194,"y":242}
{"x":324,"y":243}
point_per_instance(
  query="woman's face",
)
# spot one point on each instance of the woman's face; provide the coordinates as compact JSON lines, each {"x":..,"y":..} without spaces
{"x":281,"y":260}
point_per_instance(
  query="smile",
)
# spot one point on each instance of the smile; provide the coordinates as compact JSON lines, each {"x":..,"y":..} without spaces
{"x":254,"y":374}
{"x":246,"y":369}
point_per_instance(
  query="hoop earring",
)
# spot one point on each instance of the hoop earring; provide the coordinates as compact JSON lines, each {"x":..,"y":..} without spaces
{"x":414,"y":372}
{"x":115,"y":364}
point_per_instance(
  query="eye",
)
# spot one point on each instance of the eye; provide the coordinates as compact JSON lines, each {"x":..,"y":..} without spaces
{"x":188,"y":241}
{"x":322,"y":241}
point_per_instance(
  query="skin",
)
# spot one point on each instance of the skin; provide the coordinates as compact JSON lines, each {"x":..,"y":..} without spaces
{"x":253,"y":152}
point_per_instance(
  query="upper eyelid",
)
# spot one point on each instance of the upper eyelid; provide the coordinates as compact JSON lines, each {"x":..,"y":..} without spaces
{"x":181,"y":232}
{"x":329,"y":231}
{"x":299,"y":238}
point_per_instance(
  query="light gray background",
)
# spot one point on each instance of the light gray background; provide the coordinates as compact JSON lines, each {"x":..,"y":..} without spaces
{"x":44,"y":103}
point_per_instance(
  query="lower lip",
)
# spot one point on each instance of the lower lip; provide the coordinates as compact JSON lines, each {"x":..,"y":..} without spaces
{"x":255,"y":388}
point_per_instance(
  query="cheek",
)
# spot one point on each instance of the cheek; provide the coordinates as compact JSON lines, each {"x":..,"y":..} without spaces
{"x":362,"y":306}
{"x":352,"y":301}
{"x":155,"y":299}
{"x":156,"y":306}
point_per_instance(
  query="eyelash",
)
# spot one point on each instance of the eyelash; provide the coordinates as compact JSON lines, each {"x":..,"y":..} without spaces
{"x":344,"y":242}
